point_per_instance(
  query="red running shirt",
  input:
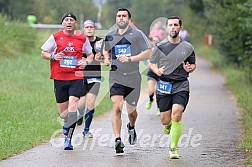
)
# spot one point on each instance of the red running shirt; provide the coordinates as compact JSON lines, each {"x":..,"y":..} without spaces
{"x":73,"y":47}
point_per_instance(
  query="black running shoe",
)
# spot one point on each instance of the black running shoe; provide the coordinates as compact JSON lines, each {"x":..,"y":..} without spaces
{"x":119,"y":146}
{"x":132,"y":135}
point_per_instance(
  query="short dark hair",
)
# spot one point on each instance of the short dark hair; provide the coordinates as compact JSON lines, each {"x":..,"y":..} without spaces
{"x":124,"y":9}
{"x":174,"y":17}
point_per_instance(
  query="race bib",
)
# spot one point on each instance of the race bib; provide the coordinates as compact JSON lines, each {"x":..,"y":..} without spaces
{"x":122,"y":50}
{"x":164,"y":87}
{"x":68,"y":62}
{"x":93,"y":80}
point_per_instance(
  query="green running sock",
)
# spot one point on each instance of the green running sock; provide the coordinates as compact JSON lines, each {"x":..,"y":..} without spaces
{"x":176,"y":130}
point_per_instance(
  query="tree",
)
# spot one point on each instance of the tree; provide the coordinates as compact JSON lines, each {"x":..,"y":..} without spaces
{"x":109,"y":11}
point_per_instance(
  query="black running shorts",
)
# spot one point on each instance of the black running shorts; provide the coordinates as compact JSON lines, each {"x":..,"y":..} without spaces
{"x":131,"y":95}
{"x":165,"y":101}
{"x":91,"y":88}
{"x":64,"y":89}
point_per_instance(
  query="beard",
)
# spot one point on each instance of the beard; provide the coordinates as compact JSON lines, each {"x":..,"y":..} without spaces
{"x":122,"y":24}
{"x":174,"y":35}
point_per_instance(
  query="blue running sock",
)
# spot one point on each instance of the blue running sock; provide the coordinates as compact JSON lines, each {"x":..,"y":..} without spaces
{"x":88,"y":119}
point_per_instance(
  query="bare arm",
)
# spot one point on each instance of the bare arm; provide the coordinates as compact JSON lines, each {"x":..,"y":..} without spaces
{"x":45,"y":55}
{"x":85,"y":61}
{"x":141,"y":56}
{"x":48,"y":56}
{"x":156,"y":70}
{"x":90,"y":57}
{"x":106,"y":55}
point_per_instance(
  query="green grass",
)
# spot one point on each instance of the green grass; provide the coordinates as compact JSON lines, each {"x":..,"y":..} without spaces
{"x":237,"y":82}
{"x":16,"y":37}
{"x":28,"y":109}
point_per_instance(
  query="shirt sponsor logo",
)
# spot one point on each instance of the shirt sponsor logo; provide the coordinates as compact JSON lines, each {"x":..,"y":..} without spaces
{"x":69,"y":47}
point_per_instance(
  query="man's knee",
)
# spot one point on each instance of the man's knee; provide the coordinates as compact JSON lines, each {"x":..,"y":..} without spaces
{"x":165,"y":117}
{"x":177,"y":111}
{"x":177,"y":115}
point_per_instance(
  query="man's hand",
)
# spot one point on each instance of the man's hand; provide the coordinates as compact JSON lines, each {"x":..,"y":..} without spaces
{"x":160,"y":71}
{"x":98,"y":56}
{"x":58,"y":56}
{"x":123,"y":58}
{"x":107,"y":62}
{"x":187,"y":67}
{"x":82,"y":63}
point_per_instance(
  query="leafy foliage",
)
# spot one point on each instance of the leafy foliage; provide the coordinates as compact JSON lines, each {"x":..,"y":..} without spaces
{"x":230,"y":22}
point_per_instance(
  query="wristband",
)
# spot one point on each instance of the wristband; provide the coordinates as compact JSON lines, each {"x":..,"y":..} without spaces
{"x":129,"y":59}
{"x":52,"y":56}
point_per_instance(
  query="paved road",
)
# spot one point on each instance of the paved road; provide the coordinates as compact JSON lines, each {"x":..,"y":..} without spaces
{"x":211,"y":130}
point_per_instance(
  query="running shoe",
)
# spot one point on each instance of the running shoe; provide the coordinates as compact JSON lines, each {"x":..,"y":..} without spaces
{"x":132,"y":135}
{"x":87,"y":134}
{"x":67,"y":144}
{"x":119,"y":146}
{"x":167,"y":129}
{"x":173,"y":153}
{"x":148,"y":105}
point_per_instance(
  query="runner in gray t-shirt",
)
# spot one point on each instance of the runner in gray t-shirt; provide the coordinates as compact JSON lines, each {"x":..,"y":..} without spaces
{"x":123,"y":50}
{"x":175,"y":61}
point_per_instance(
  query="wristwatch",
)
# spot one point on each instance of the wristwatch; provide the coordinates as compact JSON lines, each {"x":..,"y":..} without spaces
{"x":52,"y":57}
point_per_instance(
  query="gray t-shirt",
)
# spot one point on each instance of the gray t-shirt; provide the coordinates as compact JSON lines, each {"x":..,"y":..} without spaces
{"x":131,"y":43}
{"x":170,"y":57}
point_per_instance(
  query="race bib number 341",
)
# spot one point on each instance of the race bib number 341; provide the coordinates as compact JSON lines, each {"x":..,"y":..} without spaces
{"x":122,"y":50}
{"x":164,"y":87}
{"x":68,"y":62}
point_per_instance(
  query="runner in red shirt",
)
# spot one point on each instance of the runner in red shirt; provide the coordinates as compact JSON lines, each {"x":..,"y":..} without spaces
{"x":64,"y":49}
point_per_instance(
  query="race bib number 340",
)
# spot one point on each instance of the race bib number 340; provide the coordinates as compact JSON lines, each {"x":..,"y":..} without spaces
{"x":68,"y":62}
{"x":122,"y":50}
